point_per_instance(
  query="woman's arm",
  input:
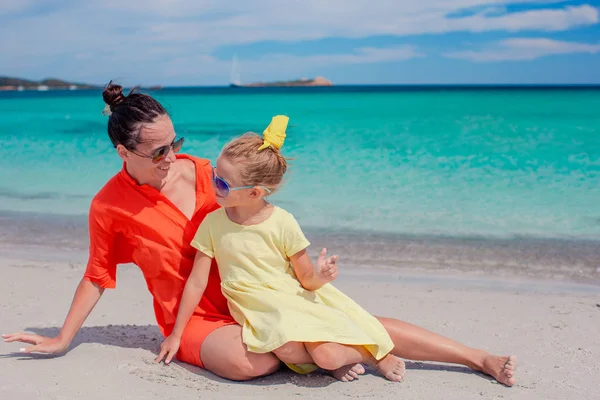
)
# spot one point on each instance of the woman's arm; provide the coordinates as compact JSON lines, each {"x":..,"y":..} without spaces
{"x":84,"y":301}
{"x":311,"y":278}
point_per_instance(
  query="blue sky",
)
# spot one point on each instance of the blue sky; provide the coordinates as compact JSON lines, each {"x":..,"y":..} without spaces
{"x":193,"y":42}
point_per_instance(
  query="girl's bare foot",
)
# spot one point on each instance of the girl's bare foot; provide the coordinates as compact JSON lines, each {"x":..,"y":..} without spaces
{"x":348,"y":373}
{"x":502,"y":369}
{"x":392,"y":368}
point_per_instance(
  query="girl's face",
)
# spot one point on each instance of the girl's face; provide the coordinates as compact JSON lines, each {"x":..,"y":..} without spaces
{"x":229,"y":188}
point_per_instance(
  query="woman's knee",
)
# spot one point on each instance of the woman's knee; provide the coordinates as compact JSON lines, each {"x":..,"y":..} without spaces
{"x":253,"y":366}
{"x":224,"y":354}
{"x":243,"y":367}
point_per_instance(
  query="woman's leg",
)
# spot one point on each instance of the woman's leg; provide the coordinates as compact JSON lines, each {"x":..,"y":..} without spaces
{"x":224,"y":354}
{"x":415,"y":343}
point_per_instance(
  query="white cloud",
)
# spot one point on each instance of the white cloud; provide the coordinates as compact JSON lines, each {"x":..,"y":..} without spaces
{"x":312,"y":19}
{"x":285,"y":66}
{"x":14,"y":6}
{"x":362,"y":55}
{"x":542,"y":20}
{"x":164,"y":8}
{"x":86,"y":39}
{"x":215,"y":23}
{"x":519,"y":49}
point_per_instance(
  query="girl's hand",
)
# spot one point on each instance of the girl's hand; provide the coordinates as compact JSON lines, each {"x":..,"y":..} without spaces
{"x":327,"y":269}
{"x":168,"y":349}
{"x":41,"y":344}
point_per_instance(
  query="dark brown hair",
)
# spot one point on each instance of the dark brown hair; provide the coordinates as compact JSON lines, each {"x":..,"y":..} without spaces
{"x":258,"y":168}
{"x":128,"y":113}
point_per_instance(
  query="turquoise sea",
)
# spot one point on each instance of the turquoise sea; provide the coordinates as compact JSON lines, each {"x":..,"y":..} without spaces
{"x":448,"y":162}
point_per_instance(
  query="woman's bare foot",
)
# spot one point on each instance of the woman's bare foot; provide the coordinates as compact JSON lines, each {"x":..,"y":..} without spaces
{"x":348,"y":373}
{"x":392,"y":368}
{"x":502,"y":369}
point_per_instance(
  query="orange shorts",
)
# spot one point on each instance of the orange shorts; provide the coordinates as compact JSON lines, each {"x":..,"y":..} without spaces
{"x":193,"y":336}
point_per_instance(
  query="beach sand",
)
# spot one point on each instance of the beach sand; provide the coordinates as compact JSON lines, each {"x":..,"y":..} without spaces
{"x":503,"y":302}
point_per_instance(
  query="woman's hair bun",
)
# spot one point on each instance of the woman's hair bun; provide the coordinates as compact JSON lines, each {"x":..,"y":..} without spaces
{"x":113,"y":95}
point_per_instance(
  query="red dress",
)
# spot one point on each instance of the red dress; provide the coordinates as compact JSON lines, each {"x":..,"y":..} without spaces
{"x":131,"y":223}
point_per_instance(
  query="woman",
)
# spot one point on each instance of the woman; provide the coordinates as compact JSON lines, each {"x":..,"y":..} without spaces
{"x":148,"y":213}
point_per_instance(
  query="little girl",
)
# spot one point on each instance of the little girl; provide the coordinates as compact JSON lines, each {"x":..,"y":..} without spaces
{"x":283,"y":303}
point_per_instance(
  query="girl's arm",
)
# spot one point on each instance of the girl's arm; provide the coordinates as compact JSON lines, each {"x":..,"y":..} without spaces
{"x":194,"y":289}
{"x":192,"y":293}
{"x":311,"y":278}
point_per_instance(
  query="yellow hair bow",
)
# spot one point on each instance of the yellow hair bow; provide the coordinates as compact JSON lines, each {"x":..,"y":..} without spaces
{"x":274,"y":135}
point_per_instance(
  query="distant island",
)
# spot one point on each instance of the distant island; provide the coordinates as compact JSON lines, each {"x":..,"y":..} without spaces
{"x":318,"y":81}
{"x":9,"y":83}
{"x":18,"y":84}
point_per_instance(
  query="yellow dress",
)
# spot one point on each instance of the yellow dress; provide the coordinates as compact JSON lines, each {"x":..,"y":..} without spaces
{"x":266,"y":298}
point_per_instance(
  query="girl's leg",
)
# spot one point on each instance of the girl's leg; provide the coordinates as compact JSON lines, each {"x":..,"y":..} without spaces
{"x":332,"y":356}
{"x":293,"y":353}
{"x":296,"y":353}
{"x":224,"y":354}
{"x":415,"y":343}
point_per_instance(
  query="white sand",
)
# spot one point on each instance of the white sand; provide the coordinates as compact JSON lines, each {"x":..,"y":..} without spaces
{"x":552,"y":327}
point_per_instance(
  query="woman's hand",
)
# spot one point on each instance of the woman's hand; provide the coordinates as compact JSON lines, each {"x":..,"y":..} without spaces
{"x":168,"y":349}
{"x":41,"y":344}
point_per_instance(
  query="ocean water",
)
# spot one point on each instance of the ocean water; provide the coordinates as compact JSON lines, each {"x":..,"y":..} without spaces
{"x":497,"y":163}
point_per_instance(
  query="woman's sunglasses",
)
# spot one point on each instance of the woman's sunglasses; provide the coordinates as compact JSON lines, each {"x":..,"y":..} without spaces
{"x":222,"y":187}
{"x":159,"y":154}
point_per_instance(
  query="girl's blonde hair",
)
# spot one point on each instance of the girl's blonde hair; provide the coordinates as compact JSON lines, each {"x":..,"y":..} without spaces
{"x":257,"y":168}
